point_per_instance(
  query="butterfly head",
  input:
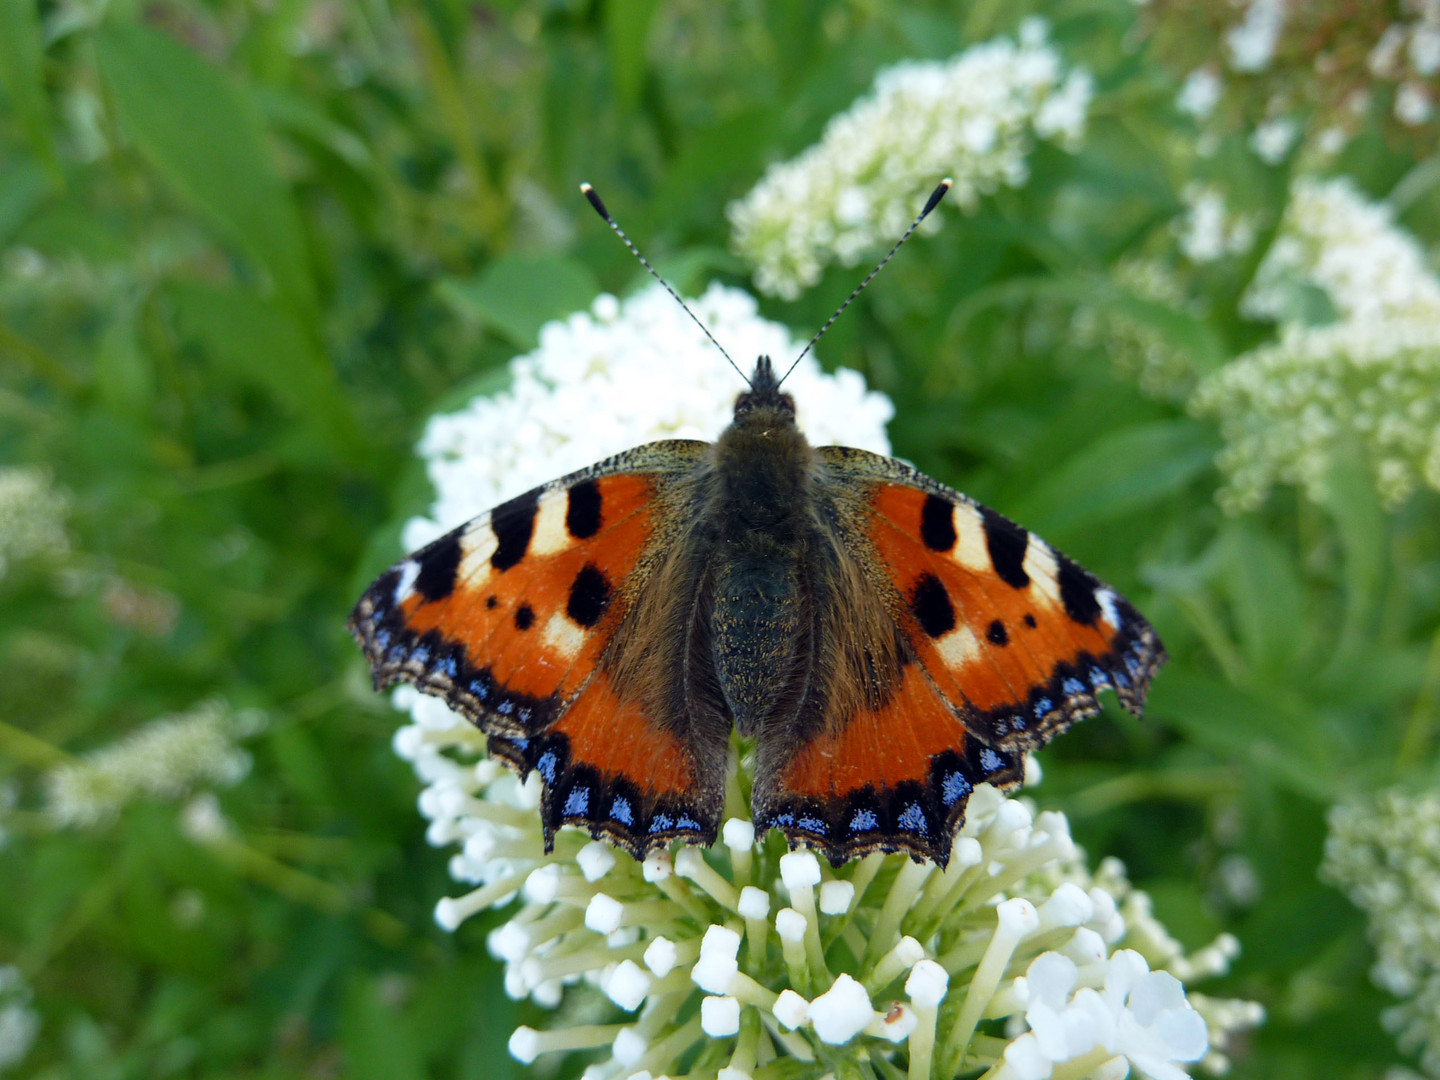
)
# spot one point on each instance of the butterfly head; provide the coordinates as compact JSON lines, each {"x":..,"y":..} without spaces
{"x":764,"y":396}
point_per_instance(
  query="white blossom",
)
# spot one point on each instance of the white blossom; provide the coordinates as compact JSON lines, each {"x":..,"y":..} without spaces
{"x":1369,"y":380}
{"x":19,"y":1022}
{"x":165,"y":759}
{"x":32,"y":515}
{"x":1385,"y":853}
{"x":1200,"y":93}
{"x":1288,"y":410}
{"x":1251,"y":42}
{"x":1208,"y":230}
{"x":1273,"y":139}
{"x":1139,"y":349}
{"x":1333,"y":238}
{"x":973,"y":118}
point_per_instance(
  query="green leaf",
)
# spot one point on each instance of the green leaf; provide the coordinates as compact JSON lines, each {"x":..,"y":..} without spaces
{"x":204,"y":135}
{"x":22,"y":56}
{"x":627,"y":28}
{"x":1353,"y":502}
{"x":1119,"y":473}
{"x":1266,"y":600}
{"x":517,"y":294}
{"x":263,"y":344}
{"x":1283,"y":739}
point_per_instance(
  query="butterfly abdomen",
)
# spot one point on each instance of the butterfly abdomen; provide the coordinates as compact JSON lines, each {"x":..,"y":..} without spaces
{"x":762,"y":511}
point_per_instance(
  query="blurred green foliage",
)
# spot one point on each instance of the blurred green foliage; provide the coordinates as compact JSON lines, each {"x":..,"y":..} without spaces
{"x":249,"y":248}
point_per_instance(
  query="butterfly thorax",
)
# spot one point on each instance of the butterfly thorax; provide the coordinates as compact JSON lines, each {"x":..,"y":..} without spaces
{"x":761,"y":511}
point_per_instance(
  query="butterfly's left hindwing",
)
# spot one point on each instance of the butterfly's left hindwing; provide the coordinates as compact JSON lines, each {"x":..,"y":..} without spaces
{"x":513,"y":619}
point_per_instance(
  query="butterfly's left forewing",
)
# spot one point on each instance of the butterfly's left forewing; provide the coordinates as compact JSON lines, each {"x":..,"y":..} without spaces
{"x":516,"y":619}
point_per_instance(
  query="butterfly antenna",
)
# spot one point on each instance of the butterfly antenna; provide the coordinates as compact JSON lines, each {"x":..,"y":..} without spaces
{"x":930,"y":204}
{"x":589,"y":193}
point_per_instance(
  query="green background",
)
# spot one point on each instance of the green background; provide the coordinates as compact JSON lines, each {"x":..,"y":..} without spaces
{"x":250,"y":247}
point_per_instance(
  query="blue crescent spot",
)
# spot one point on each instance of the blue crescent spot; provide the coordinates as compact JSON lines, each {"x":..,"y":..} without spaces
{"x":683,"y":822}
{"x":1017,"y":722}
{"x":505,"y":708}
{"x":660,"y":823}
{"x":1132,"y":665}
{"x":523,"y":714}
{"x":382,"y":640}
{"x":784,"y":819}
{"x":913,"y":818}
{"x":397,"y":652}
{"x":812,"y":824}
{"x":1042,"y":707}
{"x":954,"y":787}
{"x":1073,"y":686}
{"x":446,"y":666}
{"x":546,"y":766}
{"x":479,"y":689}
{"x":1121,"y":679}
{"x":991,"y":761}
{"x":863,"y":821}
{"x":421,"y":654}
{"x":520,"y":742}
{"x":1098,"y":678}
{"x":578,"y":801}
{"x":620,"y":811}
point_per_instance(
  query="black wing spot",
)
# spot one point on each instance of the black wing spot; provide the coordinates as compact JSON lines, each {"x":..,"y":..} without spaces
{"x":996,"y":634}
{"x":937,"y":523}
{"x":931,"y":605}
{"x":1030,"y":620}
{"x":589,"y":596}
{"x":438,"y":565}
{"x":524,"y":617}
{"x":492,"y":602}
{"x":1007,"y":543}
{"x":582,"y":510}
{"x":1077,"y":592}
{"x":513,"y":524}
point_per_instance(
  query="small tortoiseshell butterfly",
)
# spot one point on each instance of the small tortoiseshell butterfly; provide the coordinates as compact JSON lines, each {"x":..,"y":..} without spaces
{"x":887,"y":643}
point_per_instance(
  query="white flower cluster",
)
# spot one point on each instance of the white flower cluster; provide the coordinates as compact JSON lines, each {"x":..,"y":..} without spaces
{"x":973,"y":118}
{"x":1208,"y":230}
{"x":1385,"y":853}
{"x":885,"y":956}
{"x":1408,"y":53}
{"x":1288,"y":411}
{"x":32,"y":515}
{"x":622,"y":374}
{"x":165,"y":759}
{"x":1251,"y":42}
{"x":19,"y":1022}
{"x":1370,"y":381}
{"x":1335,"y":239}
{"x":792,"y":959}
{"x":1140,"y":349}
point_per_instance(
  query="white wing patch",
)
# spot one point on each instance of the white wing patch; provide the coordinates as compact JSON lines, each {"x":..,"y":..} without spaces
{"x":971,"y":549}
{"x":409,"y":571}
{"x":1043,"y":569}
{"x":478,"y":544}
{"x":550,"y":534}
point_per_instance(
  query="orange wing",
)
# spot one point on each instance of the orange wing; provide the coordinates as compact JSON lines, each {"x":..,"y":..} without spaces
{"x":513,"y":619}
{"x":1005,"y":643}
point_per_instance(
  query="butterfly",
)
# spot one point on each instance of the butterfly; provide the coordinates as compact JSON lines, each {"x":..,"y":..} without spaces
{"x":886,"y":642}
